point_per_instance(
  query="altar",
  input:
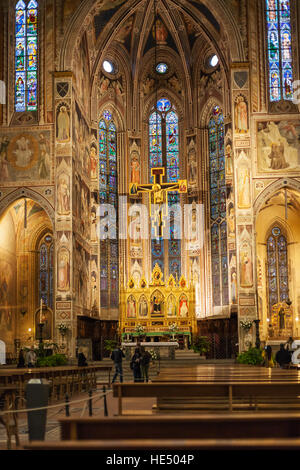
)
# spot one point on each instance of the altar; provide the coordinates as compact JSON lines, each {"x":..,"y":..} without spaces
{"x":163,"y":350}
{"x":158,"y":309}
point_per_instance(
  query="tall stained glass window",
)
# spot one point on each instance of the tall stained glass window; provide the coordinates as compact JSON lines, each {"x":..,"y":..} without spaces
{"x":46,"y":271}
{"x":277,"y":267}
{"x":164,"y":152}
{"x":26,"y":55}
{"x":218,"y":233}
{"x":108,"y":189}
{"x":279,"y":39}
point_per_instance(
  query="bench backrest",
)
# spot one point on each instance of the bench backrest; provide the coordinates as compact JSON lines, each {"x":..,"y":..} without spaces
{"x":204,"y":426}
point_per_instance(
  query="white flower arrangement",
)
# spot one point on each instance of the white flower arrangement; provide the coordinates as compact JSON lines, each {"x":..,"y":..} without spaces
{"x":173,"y":327}
{"x":139,"y":329}
{"x":153,"y":354}
{"x":246,"y":324}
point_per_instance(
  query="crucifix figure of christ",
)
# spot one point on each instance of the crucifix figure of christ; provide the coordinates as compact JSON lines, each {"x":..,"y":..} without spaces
{"x":158,"y":196}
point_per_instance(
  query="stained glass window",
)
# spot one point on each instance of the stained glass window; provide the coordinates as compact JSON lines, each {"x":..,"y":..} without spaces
{"x":277,"y":267}
{"x":26,"y":55}
{"x":164,"y":152}
{"x":108,"y":191}
{"x":46,"y":271}
{"x":218,"y":233}
{"x":279,"y":39}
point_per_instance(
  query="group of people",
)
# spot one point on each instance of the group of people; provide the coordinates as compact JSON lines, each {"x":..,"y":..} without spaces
{"x":28,"y":359}
{"x":283,"y":357}
{"x":139,"y":364}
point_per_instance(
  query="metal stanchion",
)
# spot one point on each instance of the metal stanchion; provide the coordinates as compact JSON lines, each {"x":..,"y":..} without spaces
{"x":67,"y":405}
{"x":90,"y":403}
{"x":105,"y":401}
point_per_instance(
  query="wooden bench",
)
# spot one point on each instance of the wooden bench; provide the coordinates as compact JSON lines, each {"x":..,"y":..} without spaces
{"x":206,"y":426}
{"x":234,"y":431}
{"x":268,"y":444}
{"x":64,"y":379}
{"x":8,"y":402}
{"x":250,"y":391}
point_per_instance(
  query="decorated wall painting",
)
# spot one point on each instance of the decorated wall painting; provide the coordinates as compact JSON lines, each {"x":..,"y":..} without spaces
{"x":25,"y":156}
{"x":7,"y":295}
{"x":63,"y":194}
{"x":192,"y":165}
{"x":171,"y":306}
{"x":63,"y":269}
{"x":143,"y":307}
{"x":63,"y":123}
{"x":134,"y":163}
{"x":241,"y":115}
{"x":278,"y":146}
{"x":246,"y":257}
{"x":131,"y":307}
{"x":243,"y":182}
{"x":183,"y":306}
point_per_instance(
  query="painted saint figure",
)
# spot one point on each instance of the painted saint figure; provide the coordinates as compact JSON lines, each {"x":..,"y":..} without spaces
{"x":183,"y":307}
{"x":63,"y":125}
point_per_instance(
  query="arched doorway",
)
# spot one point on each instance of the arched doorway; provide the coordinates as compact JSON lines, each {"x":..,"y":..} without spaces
{"x":26,"y":270}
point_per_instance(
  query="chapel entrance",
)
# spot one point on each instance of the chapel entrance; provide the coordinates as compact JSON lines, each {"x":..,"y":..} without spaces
{"x":278,"y":255}
{"x":26,"y":273}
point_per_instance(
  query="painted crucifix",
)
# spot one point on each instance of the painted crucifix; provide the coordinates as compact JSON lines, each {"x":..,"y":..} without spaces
{"x":158,"y":191}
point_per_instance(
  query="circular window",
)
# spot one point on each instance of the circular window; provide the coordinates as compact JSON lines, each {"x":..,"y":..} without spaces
{"x":161,"y":68}
{"x":108,"y":66}
{"x":213,"y":60}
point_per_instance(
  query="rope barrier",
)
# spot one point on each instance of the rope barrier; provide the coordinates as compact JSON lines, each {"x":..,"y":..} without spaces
{"x":100,"y":395}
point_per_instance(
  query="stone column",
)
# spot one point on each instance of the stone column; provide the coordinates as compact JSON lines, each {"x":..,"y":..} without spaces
{"x":63,"y":212}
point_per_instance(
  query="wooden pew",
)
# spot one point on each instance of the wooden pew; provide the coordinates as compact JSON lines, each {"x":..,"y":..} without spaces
{"x":8,"y":402}
{"x":231,"y":391}
{"x":268,"y":444}
{"x":234,"y":431}
{"x":206,"y":426}
{"x":63,"y":379}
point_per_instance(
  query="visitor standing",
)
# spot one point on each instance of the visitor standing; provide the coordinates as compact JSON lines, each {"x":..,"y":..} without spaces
{"x":145,"y":364}
{"x":117,"y":356}
{"x":283,"y":357}
{"x":82,"y":360}
{"x":135,"y":365}
{"x":31,"y":357}
{"x":21,"y":359}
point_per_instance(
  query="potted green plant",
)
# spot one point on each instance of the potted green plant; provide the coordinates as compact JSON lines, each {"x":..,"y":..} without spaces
{"x":201,"y":345}
{"x":110,"y":345}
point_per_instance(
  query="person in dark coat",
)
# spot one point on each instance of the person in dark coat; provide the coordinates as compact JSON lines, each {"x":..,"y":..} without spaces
{"x":283,"y":357}
{"x":145,"y":364}
{"x":117,"y":356}
{"x":21,"y":359}
{"x":82,"y":360}
{"x":135,"y":365}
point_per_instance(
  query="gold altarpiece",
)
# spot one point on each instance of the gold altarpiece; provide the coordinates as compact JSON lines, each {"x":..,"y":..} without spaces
{"x":281,"y":323}
{"x":158,"y":305}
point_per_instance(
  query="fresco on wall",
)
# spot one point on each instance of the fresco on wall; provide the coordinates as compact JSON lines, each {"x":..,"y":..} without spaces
{"x":278,"y":146}
{"x":81,"y":138}
{"x":7,"y":296}
{"x":25,"y":156}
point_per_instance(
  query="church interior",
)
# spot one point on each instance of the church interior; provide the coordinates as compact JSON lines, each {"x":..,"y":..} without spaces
{"x":95,"y":96}
{"x":149,"y":174}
